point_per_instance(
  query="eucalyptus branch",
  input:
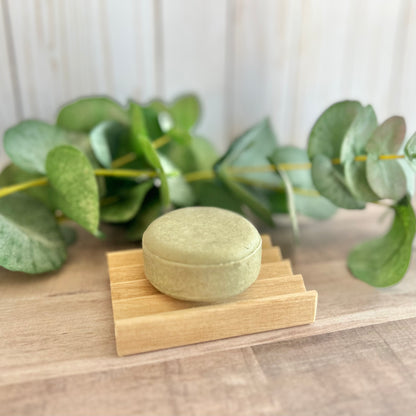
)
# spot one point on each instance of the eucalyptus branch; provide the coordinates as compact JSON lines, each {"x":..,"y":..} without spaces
{"x":130,"y":157}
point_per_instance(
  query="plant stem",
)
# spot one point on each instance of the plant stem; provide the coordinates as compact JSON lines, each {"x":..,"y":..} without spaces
{"x":161,"y":141}
{"x":199,"y":175}
{"x":194,"y":176}
{"x":7,"y":190}
{"x":301,"y":166}
{"x":125,"y":173}
{"x":277,"y":188}
{"x":123,"y":160}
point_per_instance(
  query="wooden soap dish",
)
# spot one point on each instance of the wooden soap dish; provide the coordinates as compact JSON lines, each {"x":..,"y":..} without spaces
{"x":147,"y":320}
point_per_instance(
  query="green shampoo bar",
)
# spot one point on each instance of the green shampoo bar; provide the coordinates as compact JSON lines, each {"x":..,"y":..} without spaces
{"x":202,"y":254}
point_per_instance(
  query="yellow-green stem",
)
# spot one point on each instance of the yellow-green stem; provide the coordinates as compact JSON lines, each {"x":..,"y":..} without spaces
{"x":7,"y":190}
{"x":125,"y":173}
{"x":123,"y":160}
{"x":199,"y":175}
{"x":161,"y":141}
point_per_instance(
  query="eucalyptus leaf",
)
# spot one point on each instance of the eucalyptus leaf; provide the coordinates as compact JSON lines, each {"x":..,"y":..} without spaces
{"x":291,"y":205}
{"x":185,"y":111}
{"x":73,"y":186}
{"x":245,"y":196}
{"x":30,"y":240}
{"x":353,"y":145}
{"x":85,"y":113}
{"x":127,"y":204}
{"x":386,"y":177}
{"x":28,"y":143}
{"x":410,"y":151}
{"x":105,"y":141}
{"x":151,"y":119}
{"x":329,"y":131}
{"x":358,"y":134}
{"x":355,"y":173}
{"x":148,"y":213}
{"x":305,"y":199}
{"x":198,"y":155}
{"x":68,"y":234}
{"x":142,"y":145}
{"x":330,"y":183}
{"x":180,"y":191}
{"x":383,"y":261}
{"x":251,"y":148}
{"x":388,"y":137}
{"x":12,"y":175}
{"x":212,"y":193}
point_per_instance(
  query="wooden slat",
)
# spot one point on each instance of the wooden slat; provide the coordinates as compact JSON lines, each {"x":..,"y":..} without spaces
{"x":140,"y":305}
{"x":206,"y":323}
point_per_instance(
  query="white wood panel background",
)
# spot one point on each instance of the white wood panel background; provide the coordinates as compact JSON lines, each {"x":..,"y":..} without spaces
{"x":246,"y":59}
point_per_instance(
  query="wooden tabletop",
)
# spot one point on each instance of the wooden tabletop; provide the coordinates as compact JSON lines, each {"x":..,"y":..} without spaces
{"x":57,"y":349}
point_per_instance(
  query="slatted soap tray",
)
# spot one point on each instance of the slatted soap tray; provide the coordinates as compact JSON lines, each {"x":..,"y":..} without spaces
{"x":147,"y":320}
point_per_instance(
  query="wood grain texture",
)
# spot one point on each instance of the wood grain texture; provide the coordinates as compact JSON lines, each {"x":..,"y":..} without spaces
{"x":278,"y":299}
{"x":57,"y":346}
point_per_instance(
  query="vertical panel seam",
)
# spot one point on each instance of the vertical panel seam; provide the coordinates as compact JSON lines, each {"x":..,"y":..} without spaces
{"x":12,"y":60}
{"x":229,"y":89}
{"x":158,"y":33}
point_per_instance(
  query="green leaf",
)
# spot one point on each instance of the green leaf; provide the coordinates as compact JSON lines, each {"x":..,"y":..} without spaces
{"x":148,"y":213}
{"x":388,"y":137}
{"x":386,"y":177}
{"x":252,"y":148}
{"x":152,"y":123}
{"x":29,"y":142}
{"x":384,"y":261}
{"x":142,"y":145}
{"x":86,"y":113}
{"x":30,"y":240}
{"x":12,"y":175}
{"x":330,"y":183}
{"x":180,"y":135}
{"x":247,"y":197}
{"x":105,"y":141}
{"x":199,"y":154}
{"x":330,"y":129}
{"x":212,"y":193}
{"x":354,"y":144}
{"x":180,"y":191}
{"x":356,"y":179}
{"x":73,"y":185}
{"x":306,"y":202}
{"x":410,"y":151}
{"x":358,"y":134}
{"x":185,"y":111}
{"x":291,"y":205}
{"x":127,"y":205}
{"x":68,"y":234}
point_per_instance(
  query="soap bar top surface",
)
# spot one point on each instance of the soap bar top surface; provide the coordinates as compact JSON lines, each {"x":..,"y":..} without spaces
{"x":201,"y":236}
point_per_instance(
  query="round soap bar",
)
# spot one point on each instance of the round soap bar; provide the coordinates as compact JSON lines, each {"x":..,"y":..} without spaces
{"x":201,"y":254}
